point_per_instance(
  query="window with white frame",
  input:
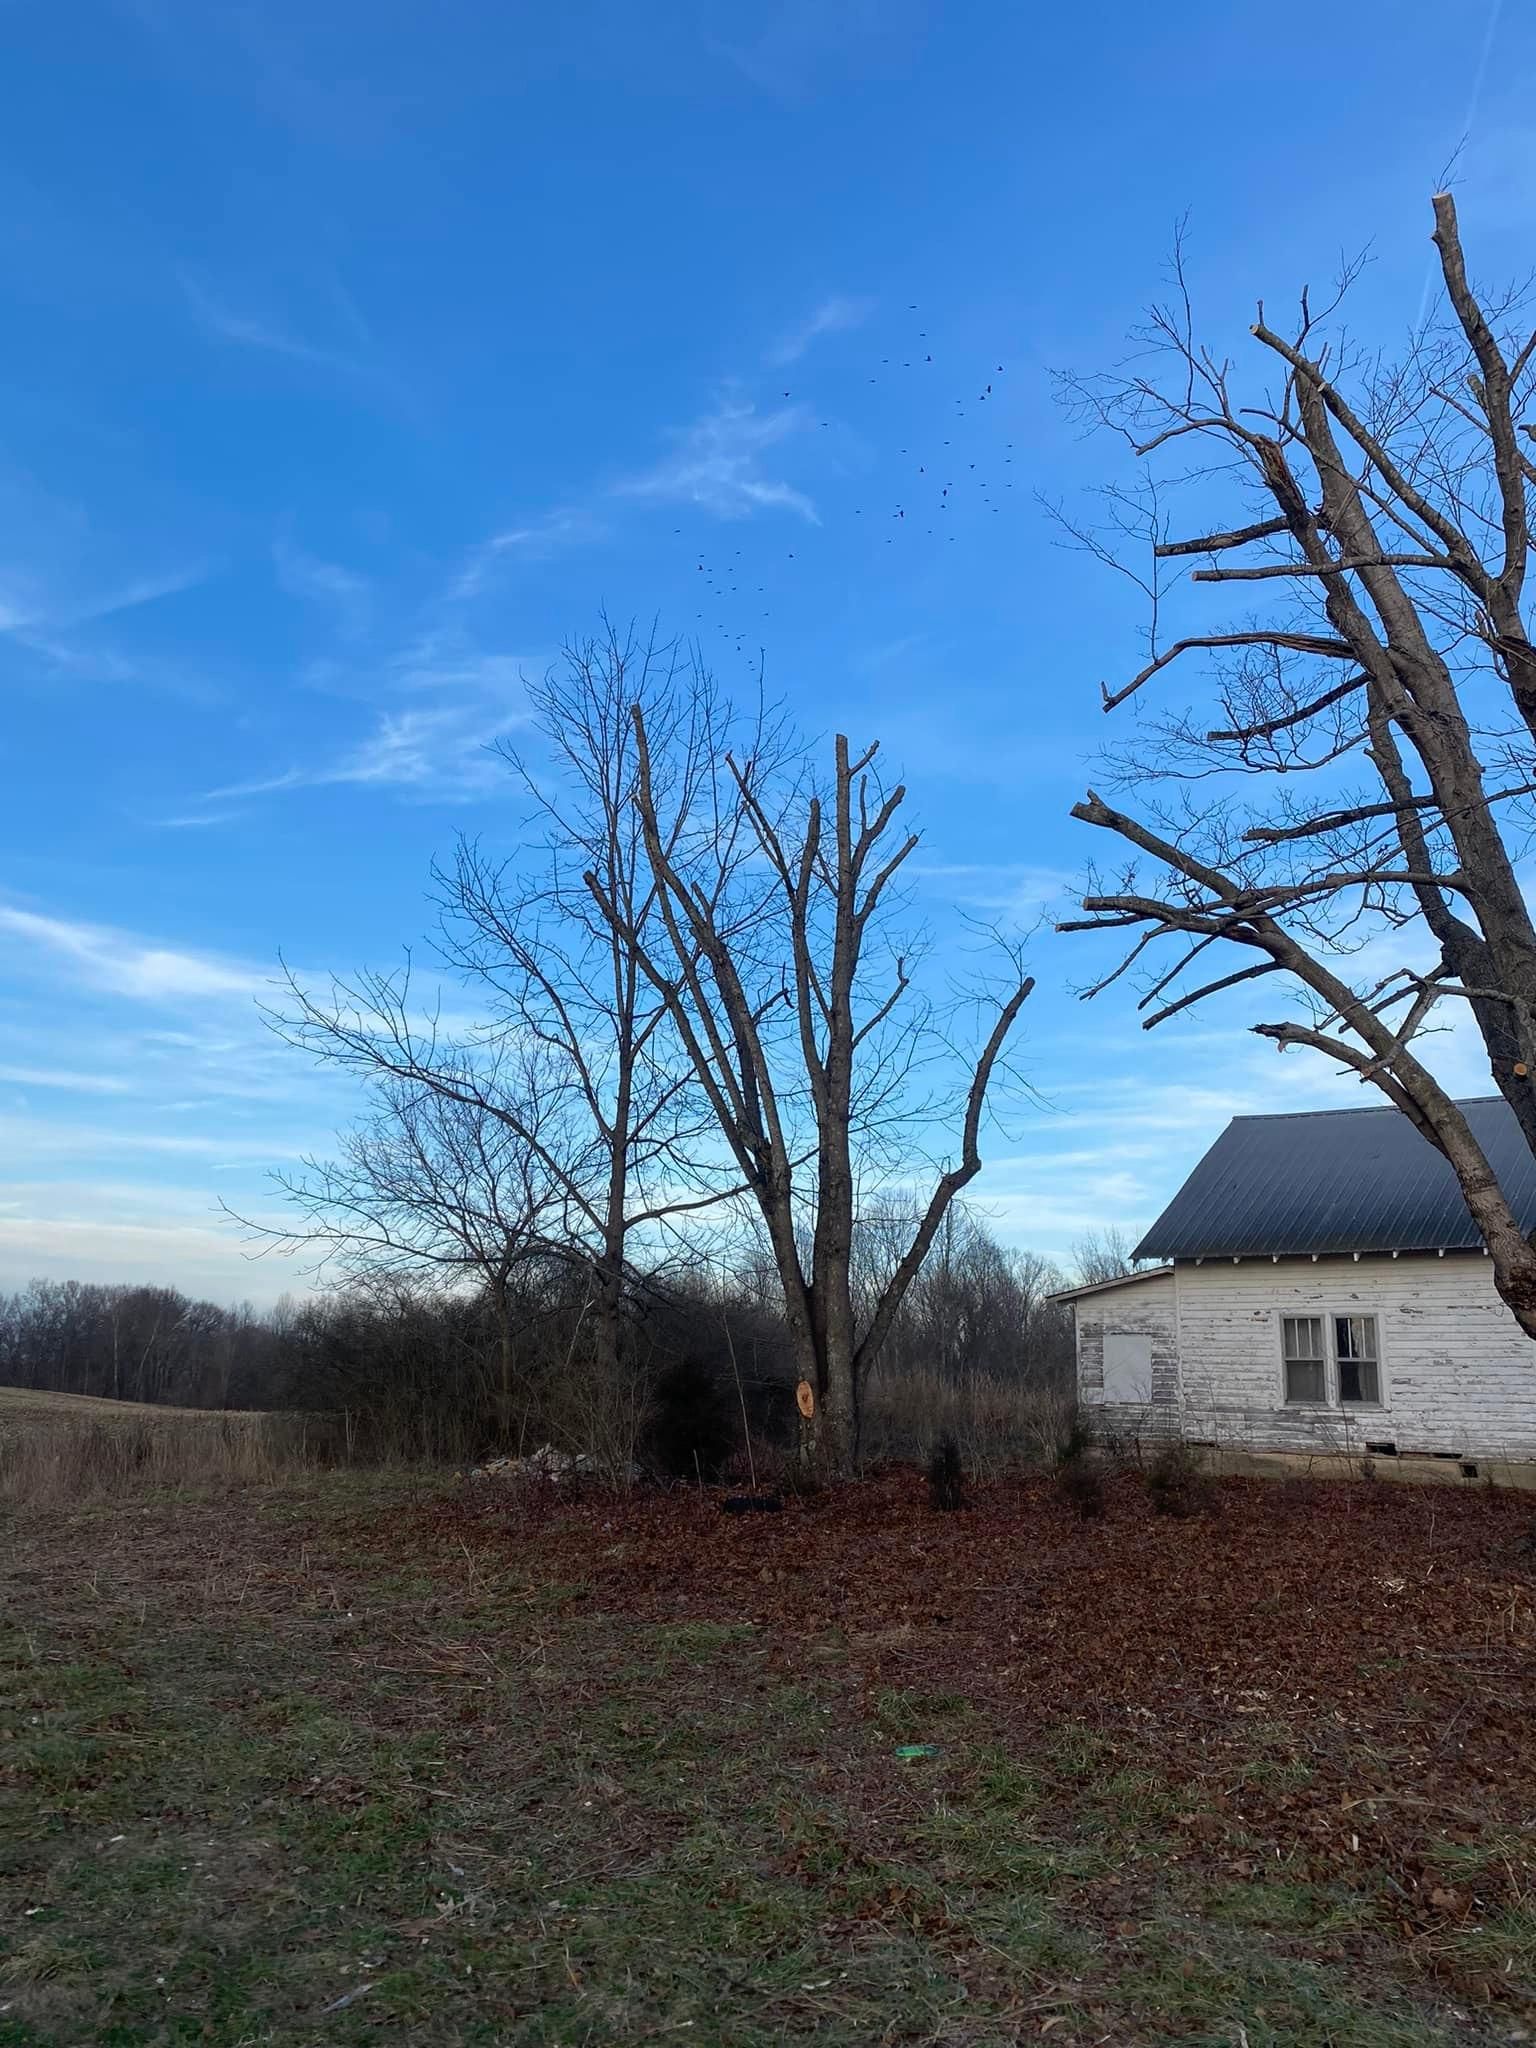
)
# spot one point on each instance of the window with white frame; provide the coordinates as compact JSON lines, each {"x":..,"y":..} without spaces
{"x":1354,"y":1351}
{"x":1306,"y":1364}
{"x":1331,"y":1358}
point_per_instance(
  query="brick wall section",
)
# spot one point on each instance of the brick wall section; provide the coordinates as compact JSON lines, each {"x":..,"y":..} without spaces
{"x":1458,"y":1374}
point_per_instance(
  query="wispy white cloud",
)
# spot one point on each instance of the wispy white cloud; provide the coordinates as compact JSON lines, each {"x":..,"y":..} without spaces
{"x":532,"y":540}
{"x":170,"y":1087}
{"x":195,"y":821}
{"x":63,"y":567}
{"x":835,"y":315}
{"x":437,"y":745}
{"x":59,"y":609}
{"x":348,"y":595}
{"x":40,"y":1140}
{"x":719,"y":465}
{"x":88,"y":661}
{"x":1011,"y":889}
{"x":122,"y":1231}
{"x":152,"y":1057}
{"x":140,"y":590}
{"x":785,"y":47}
{"x":124,"y":964}
{"x":222,"y":321}
{"x":420,"y":748}
{"x":71,"y":1080}
{"x":870,"y":660}
{"x":445,"y":752}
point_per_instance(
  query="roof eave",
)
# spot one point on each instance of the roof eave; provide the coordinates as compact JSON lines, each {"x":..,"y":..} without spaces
{"x":1103,"y":1286}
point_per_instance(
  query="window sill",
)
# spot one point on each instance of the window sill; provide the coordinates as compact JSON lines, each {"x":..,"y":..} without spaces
{"x":1334,"y":1411}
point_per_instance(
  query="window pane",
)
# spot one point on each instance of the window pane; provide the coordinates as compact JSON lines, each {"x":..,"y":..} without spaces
{"x":1355,"y":1336}
{"x":1303,"y":1337}
{"x":1304,"y":1379}
{"x":1359,"y":1380}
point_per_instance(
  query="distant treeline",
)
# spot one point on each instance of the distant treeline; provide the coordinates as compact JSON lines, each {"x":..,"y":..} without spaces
{"x":450,"y":1373}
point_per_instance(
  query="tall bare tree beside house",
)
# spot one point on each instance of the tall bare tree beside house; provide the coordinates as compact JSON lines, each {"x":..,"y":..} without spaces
{"x":803,"y":1027}
{"x":1367,"y":773}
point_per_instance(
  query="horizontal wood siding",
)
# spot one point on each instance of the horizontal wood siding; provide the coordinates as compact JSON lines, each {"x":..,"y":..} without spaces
{"x":1457,"y":1372}
{"x":1140,"y":1308}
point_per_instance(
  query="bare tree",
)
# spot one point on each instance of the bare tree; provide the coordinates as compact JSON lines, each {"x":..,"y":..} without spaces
{"x":435,"y":1184}
{"x":557,"y":973}
{"x":1102,"y":1255}
{"x":1384,"y":509}
{"x":802,"y":1025}
{"x":609,"y":1126}
{"x":977,"y":1306}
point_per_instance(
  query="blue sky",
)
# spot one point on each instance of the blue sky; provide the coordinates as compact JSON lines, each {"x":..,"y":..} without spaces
{"x":354,"y":355}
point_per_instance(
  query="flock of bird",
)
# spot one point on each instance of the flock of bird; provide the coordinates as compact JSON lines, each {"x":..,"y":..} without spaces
{"x":941,"y":478}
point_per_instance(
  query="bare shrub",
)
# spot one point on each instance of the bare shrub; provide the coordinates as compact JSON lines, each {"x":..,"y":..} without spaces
{"x":601,"y":1412}
{"x":1177,"y":1483}
{"x":1080,"y":1482}
{"x":946,"y":1476}
{"x":997,"y":1423}
{"x":1079,"y":1476}
{"x":1077,"y":1440}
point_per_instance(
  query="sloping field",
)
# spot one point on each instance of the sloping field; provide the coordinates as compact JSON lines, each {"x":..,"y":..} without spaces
{"x":25,"y":1404}
{"x":57,"y":1449}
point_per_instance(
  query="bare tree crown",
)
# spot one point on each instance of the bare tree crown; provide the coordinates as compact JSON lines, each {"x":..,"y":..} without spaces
{"x":1367,"y":770}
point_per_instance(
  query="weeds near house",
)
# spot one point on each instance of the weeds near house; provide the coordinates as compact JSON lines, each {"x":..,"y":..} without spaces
{"x":1177,"y":1483}
{"x":1081,"y":1485}
{"x":1077,"y":1442}
{"x":1080,"y":1478}
{"x":998,"y":1423}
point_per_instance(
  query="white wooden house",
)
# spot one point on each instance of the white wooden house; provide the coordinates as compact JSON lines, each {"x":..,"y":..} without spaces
{"x":1321,"y":1288}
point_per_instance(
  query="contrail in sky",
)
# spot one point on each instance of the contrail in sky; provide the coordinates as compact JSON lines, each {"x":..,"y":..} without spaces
{"x":1494,"y":14}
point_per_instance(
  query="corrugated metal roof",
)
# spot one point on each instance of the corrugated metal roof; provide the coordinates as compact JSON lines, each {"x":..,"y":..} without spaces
{"x":1337,"y":1180}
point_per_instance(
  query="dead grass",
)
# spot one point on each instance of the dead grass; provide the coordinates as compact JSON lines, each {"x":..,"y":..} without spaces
{"x":61,"y":1449}
{"x":998,"y":1423}
{"x":31,"y":1404}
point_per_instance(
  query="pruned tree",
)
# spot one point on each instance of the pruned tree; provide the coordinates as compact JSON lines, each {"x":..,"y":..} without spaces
{"x":801,"y":1021}
{"x":1366,"y":775}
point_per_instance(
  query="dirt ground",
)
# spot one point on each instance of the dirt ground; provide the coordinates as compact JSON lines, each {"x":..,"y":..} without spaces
{"x":378,"y":1759}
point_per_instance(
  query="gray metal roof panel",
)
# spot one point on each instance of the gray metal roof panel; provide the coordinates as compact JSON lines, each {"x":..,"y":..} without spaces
{"x":1337,"y":1180}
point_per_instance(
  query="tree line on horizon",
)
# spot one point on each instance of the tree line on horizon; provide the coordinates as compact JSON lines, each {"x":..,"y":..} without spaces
{"x":415,"y":1368}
